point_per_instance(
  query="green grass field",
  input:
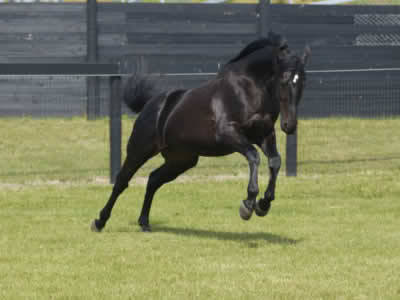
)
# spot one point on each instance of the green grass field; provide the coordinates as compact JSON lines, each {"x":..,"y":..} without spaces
{"x":332,"y":233}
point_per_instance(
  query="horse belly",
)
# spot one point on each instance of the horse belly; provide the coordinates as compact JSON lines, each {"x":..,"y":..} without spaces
{"x":195,"y":133}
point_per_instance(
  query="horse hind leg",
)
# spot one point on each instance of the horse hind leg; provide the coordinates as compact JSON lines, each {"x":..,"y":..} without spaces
{"x":170,"y":170}
{"x":132,"y":163}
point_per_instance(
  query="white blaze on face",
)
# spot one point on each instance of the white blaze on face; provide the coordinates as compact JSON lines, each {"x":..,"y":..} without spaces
{"x":295,"y":78}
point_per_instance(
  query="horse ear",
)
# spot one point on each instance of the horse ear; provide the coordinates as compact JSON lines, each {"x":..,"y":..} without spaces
{"x":306,"y":55}
{"x":280,"y":55}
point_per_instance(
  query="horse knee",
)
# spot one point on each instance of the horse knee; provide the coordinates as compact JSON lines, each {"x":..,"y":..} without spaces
{"x":275,"y":162}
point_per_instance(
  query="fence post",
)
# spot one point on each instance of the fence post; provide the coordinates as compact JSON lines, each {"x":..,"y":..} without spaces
{"x":115,"y":127}
{"x":92,"y":83}
{"x":264,"y":18}
{"x":264,"y":26}
{"x":291,"y":154}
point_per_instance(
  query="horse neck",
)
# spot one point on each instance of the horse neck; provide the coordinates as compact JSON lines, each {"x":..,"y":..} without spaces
{"x":271,"y":97}
{"x":260,"y":65}
{"x":258,"y":60}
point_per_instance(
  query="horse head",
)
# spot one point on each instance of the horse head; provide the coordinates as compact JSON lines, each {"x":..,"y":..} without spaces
{"x":290,"y":84}
{"x":270,"y":61}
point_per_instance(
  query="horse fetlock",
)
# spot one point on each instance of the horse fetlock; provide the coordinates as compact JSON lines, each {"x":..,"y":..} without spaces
{"x":252,"y":194}
{"x":269,"y":196}
{"x":252,"y":191}
{"x":144,"y":224}
{"x":104,"y":215}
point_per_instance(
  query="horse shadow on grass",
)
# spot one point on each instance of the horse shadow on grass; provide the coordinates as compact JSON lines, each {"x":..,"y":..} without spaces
{"x":250,"y":237}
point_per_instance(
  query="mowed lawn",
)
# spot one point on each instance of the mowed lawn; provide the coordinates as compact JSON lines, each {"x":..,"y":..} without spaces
{"x":332,"y":233}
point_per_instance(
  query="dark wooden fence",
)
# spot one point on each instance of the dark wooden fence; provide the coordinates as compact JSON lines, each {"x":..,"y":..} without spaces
{"x":196,"y":38}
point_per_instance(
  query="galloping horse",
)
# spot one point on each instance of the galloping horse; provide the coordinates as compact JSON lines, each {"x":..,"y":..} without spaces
{"x":231,"y":113}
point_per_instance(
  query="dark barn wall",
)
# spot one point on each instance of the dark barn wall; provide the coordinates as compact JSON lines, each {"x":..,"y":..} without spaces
{"x":152,"y":38}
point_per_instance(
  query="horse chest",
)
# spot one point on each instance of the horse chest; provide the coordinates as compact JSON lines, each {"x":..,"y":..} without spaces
{"x":259,"y":126}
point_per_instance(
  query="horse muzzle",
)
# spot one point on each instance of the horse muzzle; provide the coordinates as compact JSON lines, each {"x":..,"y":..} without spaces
{"x":289,"y":127}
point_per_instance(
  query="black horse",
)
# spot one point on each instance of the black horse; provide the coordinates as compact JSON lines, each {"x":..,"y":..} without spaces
{"x":231,"y":113}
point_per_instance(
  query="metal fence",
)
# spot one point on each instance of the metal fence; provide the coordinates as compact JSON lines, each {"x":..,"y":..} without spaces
{"x":354,"y":121}
{"x":362,"y":93}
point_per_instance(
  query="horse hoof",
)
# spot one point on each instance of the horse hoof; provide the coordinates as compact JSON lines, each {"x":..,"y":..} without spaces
{"x":244,"y":211}
{"x":262,"y":210}
{"x":145,"y":228}
{"x":94,"y":227}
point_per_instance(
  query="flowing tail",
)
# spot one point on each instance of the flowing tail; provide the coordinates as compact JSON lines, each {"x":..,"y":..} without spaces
{"x":138,"y":91}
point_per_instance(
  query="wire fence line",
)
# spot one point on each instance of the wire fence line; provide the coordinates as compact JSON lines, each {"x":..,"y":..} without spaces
{"x":308,"y":72}
{"x":194,"y":74}
{"x":61,"y":95}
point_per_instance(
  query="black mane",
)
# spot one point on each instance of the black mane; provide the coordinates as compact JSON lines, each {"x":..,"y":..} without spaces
{"x":273,"y":39}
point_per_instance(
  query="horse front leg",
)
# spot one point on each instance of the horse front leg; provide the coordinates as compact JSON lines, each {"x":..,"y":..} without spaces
{"x":268,"y":146}
{"x":229,"y":135}
{"x":247,"y":206}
